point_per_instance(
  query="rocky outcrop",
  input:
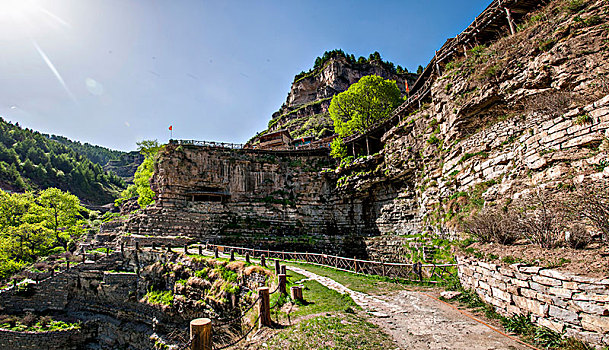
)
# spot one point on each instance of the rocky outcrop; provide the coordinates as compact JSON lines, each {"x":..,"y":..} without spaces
{"x":305,"y":112}
{"x":126,"y":165}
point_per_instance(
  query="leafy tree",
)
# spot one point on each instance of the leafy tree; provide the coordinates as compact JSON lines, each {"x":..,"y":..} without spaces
{"x":369,"y":100}
{"x":420,"y":70}
{"x":141,"y":187}
{"x":61,"y":213}
{"x":338,"y":148}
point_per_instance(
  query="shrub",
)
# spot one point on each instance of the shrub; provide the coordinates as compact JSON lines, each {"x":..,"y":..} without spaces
{"x":493,"y":225}
{"x":590,"y":202}
{"x":574,"y":6}
{"x":541,"y":221}
{"x":583,"y":120}
{"x":577,"y":236}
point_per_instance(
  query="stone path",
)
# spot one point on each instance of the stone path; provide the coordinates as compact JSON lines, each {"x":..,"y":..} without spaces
{"x":420,"y":322}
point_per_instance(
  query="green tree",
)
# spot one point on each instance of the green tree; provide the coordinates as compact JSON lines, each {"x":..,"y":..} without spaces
{"x":420,"y":70}
{"x":61,"y":213}
{"x":369,"y":100}
{"x":141,"y":187}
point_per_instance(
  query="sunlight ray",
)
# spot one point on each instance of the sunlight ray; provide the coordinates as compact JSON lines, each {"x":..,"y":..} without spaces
{"x":54,"y":70}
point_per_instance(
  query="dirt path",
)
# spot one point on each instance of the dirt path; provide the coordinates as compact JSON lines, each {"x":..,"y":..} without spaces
{"x":417,"y":321}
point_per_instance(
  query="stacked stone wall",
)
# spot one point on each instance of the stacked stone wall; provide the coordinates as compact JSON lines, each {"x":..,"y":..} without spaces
{"x":71,"y":339}
{"x":563,"y":302}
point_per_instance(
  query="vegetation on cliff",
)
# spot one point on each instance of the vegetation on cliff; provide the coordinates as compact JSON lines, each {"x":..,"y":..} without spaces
{"x":29,"y":160}
{"x":366,"y":102}
{"x":34,"y":225}
{"x":96,"y":154}
{"x":141,"y":187}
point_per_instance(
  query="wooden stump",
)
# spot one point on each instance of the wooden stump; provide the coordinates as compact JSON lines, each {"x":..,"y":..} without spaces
{"x":264,"y":307}
{"x":283,"y":270}
{"x":277,"y":267}
{"x":296,"y":292}
{"x":282,"y":282}
{"x":200,"y":333}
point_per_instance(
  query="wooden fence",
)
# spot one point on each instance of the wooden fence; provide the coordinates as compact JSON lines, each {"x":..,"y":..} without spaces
{"x":431,"y":273}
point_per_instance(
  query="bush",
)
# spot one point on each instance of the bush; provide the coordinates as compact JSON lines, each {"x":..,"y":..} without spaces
{"x":590,"y":202}
{"x":541,"y":221}
{"x":577,"y":236}
{"x":493,"y":225}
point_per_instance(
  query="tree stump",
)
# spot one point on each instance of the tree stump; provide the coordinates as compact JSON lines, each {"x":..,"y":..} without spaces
{"x":264,"y":307}
{"x":296,"y":292}
{"x":200,"y":333}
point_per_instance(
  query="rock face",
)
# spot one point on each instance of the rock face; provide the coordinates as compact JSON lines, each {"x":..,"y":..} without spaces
{"x":305,"y":112}
{"x":126,"y":166}
{"x":508,"y":117}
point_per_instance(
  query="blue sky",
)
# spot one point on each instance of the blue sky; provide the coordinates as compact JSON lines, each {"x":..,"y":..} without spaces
{"x":114,"y":72}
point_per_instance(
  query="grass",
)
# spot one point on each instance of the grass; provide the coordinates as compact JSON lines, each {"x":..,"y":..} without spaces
{"x":332,"y":331}
{"x":41,"y":326}
{"x":159,"y":297}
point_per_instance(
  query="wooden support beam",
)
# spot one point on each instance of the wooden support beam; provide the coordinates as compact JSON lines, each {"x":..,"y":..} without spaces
{"x":281,"y":279}
{"x":264,"y":307}
{"x":200,"y":333}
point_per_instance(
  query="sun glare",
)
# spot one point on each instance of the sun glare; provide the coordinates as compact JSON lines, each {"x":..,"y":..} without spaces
{"x":17,"y":9}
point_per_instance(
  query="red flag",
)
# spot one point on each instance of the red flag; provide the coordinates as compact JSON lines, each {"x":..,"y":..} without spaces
{"x":407,"y":88}
{"x":170,"y":127}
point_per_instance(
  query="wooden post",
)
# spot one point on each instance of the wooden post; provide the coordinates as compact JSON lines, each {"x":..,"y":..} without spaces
{"x":253,"y":253}
{"x":355,"y":264}
{"x":186,"y":249}
{"x":247,"y":258}
{"x":137,"y":245}
{"x":296,"y":292}
{"x":263,"y":261}
{"x":420,"y":271}
{"x":367,"y":146}
{"x":107,"y":251}
{"x":277,"y":267}
{"x":200,"y":250}
{"x":169,"y":248}
{"x":283,"y":270}
{"x":84,"y":257}
{"x":232,"y":255}
{"x":216,"y":252}
{"x":264,"y":307}
{"x":382,"y":269}
{"x":153,"y":245}
{"x":510,"y":21}
{"x":200,"y":333}
{"x":67,"y":264}
{"x":282,"y":281}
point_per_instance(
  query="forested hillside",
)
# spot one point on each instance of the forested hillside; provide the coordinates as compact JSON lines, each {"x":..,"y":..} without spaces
{"x":97,"y":154}
{"x":29,"y":160}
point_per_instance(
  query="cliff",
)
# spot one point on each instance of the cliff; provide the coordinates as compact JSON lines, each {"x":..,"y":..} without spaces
{"x":305,"y":112}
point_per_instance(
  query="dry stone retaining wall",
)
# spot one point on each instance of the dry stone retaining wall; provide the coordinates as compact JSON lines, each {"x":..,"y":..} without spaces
{"x":563,"y":302}
{"x":57,"y":340}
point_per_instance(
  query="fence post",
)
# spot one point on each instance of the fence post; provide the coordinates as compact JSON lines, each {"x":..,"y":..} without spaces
{"x":232,"y":255}
{"x":253,"y":252}
{"x":137,"y":245}
{"x":200,"y":333}
{"x":67,"y":264}
{"x":216,"y":252}
{"x":107,"y":251}
{"x":282,"y":280}
{"x":264,"y":307}
{"x":355,"y":264}
{"x":283,"y":270}
{"x":84,"y":257}
{"x":200,"y":250}
{"x":420,"y":270}
{"x":247,"y":258}
{"x":382,"y":268}
{"x":263,"y":261}
{"x":296,"y":292}
{"x":277,"y":267}
{"x":186,"y":249}
{"x":153,"y":245}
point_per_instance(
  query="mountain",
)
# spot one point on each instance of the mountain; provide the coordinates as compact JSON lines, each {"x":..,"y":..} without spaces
{"x":96,"y":154}
{"x":30,"y":160}
{"x":305,"y":112}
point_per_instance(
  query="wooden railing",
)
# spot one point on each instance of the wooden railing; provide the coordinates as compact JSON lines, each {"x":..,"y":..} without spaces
{"x":212,"y":144}
{"x":431,"y":273}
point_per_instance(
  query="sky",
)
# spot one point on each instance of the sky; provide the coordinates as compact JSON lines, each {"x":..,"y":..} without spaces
{"x":114,"y":72}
